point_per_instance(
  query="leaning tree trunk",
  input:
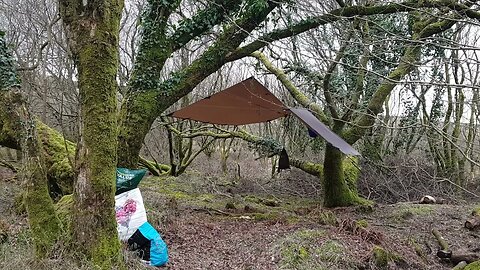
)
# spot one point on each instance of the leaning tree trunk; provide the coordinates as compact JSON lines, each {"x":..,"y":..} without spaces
{"x":139,"y":112}
{"x":334,"y":182}
{"x":18,"y":127}
{"x":93,"y":30}
{"x":57,"y":153}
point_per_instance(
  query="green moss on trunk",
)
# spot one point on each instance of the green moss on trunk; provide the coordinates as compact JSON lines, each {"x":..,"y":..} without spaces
{"x":314,"y":169}
{"x":59,"y":154}
{"x":136,"y":117}
{"x":42,"y":218}
{"x":19,"y":126}
{"x":351,"y":171}
{"x":336,"y":189}
{"x":94,"y":29}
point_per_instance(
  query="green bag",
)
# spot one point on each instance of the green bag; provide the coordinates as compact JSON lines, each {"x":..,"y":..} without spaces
{"x":128,"y":179}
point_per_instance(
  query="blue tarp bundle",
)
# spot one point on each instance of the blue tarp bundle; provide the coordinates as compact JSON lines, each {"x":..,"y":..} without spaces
{"x":149,"y":244}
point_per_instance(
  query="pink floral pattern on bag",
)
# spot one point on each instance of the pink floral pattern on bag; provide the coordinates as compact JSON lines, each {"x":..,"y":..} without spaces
{"x":125,"y":212}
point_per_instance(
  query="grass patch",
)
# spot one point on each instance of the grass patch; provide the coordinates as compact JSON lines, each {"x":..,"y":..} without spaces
{"x":200,"y":193}
{"x":177,"y":189}
{"x":270,"y":202}
{"x":382,"y":257}
{"x":473,"y":266}
{"x":476,"y":211}
{"x":331,"y":251}
{"x":266,"y":216}
{"x":327,"y":218}
{"x":362,"y":223}
{"x":408,"y":211}
{"x":307,"y":249}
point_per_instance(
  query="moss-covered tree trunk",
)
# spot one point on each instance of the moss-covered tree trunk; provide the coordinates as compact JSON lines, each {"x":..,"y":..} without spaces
{"x":18,"y":126}
{"x":42,"y":219}
{"x":57,"y":153}
{"x":43,"y":222}
{"x":336,"y":190}
{"x":93,"y":30}
{"x":59,"y":156}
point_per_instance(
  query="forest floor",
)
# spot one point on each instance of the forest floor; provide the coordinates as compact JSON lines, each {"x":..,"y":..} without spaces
{"x":217,"y":223}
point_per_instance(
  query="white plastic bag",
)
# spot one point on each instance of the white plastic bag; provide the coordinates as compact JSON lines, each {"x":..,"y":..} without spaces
{"x":129,"y":212}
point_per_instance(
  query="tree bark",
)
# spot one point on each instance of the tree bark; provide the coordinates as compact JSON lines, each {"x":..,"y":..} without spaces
{"x":19,"y":127}
{"x":93,"y":30}
{"x":336,"y":190}
{"x":57,"y":153}
{"x":43,"y":222}
{"x":59,"y":156}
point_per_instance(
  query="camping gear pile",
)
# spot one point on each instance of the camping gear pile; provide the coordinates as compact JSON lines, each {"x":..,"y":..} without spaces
{"x":132,"y":224}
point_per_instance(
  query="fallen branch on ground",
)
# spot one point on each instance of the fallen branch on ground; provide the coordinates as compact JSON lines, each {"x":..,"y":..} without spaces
{"x":448,"y":255}
{"x":473,"y":223}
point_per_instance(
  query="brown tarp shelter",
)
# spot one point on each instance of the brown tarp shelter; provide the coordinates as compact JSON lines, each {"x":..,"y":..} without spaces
{"x":250,"y":102}
{"x":244,"y":103}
